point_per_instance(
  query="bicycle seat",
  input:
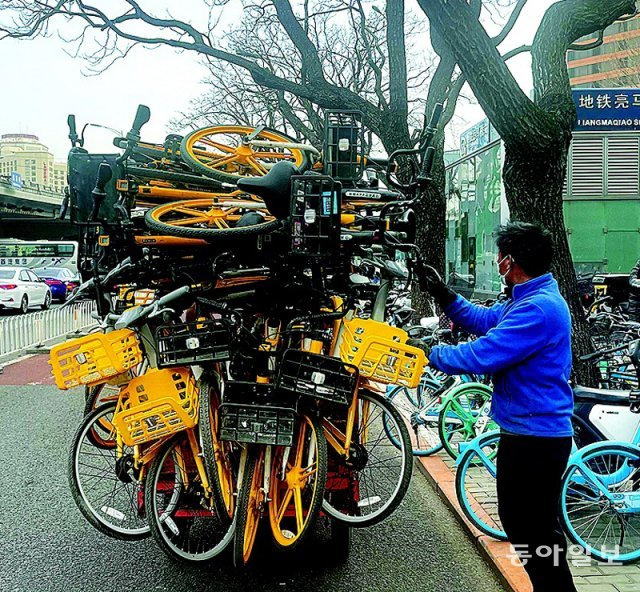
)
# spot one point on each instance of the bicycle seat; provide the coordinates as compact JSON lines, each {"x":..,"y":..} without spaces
{"x":274,"y":188}
{"x":584,"y":394}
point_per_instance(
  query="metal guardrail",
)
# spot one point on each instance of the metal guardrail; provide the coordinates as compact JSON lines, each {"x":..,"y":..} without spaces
{"x":33,"y":329}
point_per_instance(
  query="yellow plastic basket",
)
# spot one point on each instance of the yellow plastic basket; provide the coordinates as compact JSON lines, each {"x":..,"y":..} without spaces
{"x":157,"y":404}
{"x":129,"y":297}
{"x":94,"y":358}
{"x":380,"y":352}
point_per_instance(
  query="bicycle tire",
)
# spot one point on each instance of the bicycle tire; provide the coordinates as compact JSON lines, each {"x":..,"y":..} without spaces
{"x":254,"y":458}
{"x":77,"y":491}
{"x":156,"y":521}
{"x":444,"y":420}
{"x":141,"y":172}
{"x":196,"y":165}
{"x":209,"y":234}
{"x":405,"y":476}
{"x":417,"y":403}
{"x":604,"y":448}
{"x":210,"y":442}
{"x":319,"y":488}
{"x":462,"y":470}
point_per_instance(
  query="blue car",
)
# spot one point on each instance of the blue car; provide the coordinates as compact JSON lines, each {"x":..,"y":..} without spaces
{"x":61,"y":281}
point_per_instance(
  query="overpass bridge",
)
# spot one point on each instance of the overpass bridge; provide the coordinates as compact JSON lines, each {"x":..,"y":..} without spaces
{"x":31,"y":212}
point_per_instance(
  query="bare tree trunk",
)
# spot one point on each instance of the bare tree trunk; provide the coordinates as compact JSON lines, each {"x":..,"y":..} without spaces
{"x":431,"y":227}
{"x":533,"y":183}
{"x":430,"y":212}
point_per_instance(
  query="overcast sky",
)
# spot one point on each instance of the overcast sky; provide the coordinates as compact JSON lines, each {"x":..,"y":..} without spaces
{"x":42,"y":85}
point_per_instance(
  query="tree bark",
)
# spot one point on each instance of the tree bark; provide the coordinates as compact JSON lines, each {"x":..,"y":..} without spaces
{"x":431,"y":227}
{"x":537,"y":133}
{"x":533,"y":181}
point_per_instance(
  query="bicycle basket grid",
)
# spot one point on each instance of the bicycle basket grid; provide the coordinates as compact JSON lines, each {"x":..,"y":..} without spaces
{"x":129,"y":296}
{"x":314,"y":375}
{"x":193,"y":342}
{"x":157,"y":404}
{"x":94,"y":358}
{"x":343,"y":145}
{"x":250,"y":413}
{"x":380,"y":352}
{"x":315,"y":216}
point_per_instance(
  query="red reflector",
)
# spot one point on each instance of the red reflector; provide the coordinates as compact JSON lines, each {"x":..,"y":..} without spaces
{"x":8,"y":286}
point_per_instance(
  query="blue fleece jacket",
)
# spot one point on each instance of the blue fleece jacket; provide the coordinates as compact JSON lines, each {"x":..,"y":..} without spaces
{"x":525,"y":344}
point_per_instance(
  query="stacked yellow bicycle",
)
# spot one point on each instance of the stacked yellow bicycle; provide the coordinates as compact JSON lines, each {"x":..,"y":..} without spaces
{"x":184,"y":452}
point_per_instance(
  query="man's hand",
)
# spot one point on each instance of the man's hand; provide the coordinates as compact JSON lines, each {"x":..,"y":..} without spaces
{"x":436,"y":286}
{"x":420,"y":344}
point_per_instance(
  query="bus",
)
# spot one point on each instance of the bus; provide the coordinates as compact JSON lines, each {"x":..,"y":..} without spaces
{"x":39,"y":254}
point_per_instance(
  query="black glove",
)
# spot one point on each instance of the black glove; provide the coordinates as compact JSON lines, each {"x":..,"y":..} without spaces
{"x":432,"y":282}
{"x":420,"y":344}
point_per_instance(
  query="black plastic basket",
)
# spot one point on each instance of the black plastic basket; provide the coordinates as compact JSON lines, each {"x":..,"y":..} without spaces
{"x":317,"y":376}
{"x":343,"y":145}
{"x":251,"y":414}
{"x":315,"y":216}
{"x":192,"y":343}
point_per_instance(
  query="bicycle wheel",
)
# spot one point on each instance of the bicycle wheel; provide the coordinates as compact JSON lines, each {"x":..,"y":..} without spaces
{"x":421,"y":409}
{"x":464,"y":415}
{"x":476,"y":485}
{"x":368,"y":486}
{"x":104,"y":485}
{"x":97,"y":395}
{"x":599,"y":501}
{"x":298,"y":481}
{"x":225,"y":153}
{"x":251,"y":505}
{"x":210,"y":219}
{"x":217,"y":455}
{"x":182,"y":519}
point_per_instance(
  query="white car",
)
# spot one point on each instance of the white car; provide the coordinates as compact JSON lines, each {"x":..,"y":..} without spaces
{"x":21,"y":289}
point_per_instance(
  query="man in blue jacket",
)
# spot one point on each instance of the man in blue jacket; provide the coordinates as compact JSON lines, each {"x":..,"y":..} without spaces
{"x":525,"y":345}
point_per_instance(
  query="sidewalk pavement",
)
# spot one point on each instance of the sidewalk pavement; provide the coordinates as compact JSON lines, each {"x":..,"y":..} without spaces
{"x":589,"y":575}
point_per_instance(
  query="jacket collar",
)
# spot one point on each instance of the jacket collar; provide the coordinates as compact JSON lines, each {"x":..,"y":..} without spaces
{"x":535,"y":284}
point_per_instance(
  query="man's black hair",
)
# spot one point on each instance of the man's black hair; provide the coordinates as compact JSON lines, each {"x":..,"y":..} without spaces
{"x":530,"y":246}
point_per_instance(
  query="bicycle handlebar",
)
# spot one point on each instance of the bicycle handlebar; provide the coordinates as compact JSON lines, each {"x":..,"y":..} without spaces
{"x":602,"y":352}
{"x":104,"y":176}
{"x":143,"y":114}
{"x":429,"y":150}
{"x":418,"y":178}
{"x":117,"y":270}
{"x":73,"y":134}
{"x":133,"y":317}
{"x":359,"y":237}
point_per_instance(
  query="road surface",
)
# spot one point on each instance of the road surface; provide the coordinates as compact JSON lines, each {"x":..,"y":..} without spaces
{"x":48,"y":547}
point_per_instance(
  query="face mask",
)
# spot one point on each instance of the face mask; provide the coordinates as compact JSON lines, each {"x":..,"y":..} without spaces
{"x":504,"y":275}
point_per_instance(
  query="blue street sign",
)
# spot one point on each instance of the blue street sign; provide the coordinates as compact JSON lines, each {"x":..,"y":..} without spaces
{"x":605,"y":109}
{"x":477,"y":137}
{"x":16,"y":180}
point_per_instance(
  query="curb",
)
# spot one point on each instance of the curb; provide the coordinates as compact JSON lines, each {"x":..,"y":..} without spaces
{"x":497,"y":553}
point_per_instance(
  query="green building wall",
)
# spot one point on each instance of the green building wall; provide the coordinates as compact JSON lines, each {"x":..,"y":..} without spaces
{"x":603,"y":230}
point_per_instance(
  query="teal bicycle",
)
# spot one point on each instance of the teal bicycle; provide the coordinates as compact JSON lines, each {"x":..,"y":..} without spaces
{"x":443,"y":411}
{"x":600,"y":496}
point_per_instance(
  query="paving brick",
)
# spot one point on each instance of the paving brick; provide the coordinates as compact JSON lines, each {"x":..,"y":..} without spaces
{"x":590,"y":575}
{"x":598,"y":588}
{"x":586,"y":571}
{"x":608,"y":579}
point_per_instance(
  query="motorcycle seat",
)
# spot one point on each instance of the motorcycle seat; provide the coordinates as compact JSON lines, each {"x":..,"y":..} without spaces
{"x":584,"y":394}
